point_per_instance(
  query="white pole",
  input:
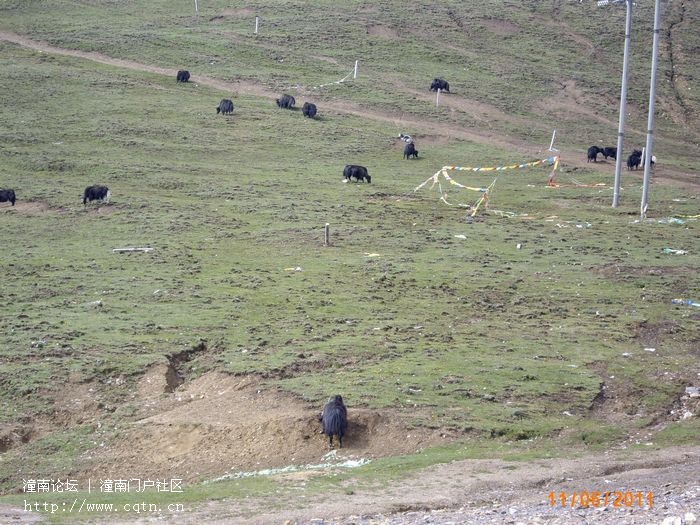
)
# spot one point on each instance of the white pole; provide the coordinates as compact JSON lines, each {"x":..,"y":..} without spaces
{"x":437,"y":97}
{"x":355,"y":73}
{"x":623,"y":101}
{"x":257,"y":21}
{"x":196,"y":7}
{"x":551,"y":144}
{"x":650,"y":121}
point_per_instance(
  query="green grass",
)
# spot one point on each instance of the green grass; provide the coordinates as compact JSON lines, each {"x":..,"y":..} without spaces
{"x":501,"y":345}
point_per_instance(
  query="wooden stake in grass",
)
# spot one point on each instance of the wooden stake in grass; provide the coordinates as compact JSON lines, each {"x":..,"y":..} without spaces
{"x":327,"y":235}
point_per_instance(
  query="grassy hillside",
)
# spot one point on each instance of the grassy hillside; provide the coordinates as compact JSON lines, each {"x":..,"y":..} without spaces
{"x":545,"y":317}
{"x":526,"y":59}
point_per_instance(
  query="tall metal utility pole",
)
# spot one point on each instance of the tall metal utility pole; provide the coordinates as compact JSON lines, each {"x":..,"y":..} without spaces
{"x":623,"y":97}
{"x":650,"y":121}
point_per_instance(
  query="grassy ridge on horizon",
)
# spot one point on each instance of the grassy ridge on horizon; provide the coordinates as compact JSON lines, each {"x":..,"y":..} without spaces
{"x":483,"y":338}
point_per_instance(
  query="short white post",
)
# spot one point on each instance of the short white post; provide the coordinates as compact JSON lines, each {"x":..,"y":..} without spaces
{"x":196,"y":7}
{"x":437,"y":97}
{"x":327,"y":235}
{"x":355,"y":73}
{"x":257,"y":22}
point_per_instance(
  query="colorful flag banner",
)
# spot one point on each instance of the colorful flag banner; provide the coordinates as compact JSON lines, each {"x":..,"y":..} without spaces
{"x":549,"y":161}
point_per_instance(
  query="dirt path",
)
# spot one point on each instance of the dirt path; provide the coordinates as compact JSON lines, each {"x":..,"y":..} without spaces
{"x":494,"y":491}
{"x":472,"y":492}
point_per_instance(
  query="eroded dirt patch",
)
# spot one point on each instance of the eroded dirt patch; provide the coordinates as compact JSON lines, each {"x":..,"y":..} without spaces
{"x":500,"y":26}
{"x":13,"y":436}
{"x":29,"y":208}
{"x":219,"y":425}
{"x":382,"y":32}
{"x":240,"y":12}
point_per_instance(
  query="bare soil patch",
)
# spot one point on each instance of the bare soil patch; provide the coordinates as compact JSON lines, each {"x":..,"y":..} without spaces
{"x":29,"y":208}
{"x":383,"y":32}
{"x":239,"y":12}
{"x":218,"y":425}
{"x":500,"y":26}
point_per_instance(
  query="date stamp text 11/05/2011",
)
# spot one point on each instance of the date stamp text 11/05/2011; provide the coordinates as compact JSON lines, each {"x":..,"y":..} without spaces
{"x":616,"y":499}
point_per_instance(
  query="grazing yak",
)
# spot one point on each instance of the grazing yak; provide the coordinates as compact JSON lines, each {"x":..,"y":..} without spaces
{"x":7,"y":196}
{"x":410,"y":150}
{"x":441,"y":84}
{"x":225,"y":107}
{"x":286,"y":102}
{"x":183,"y":76}
{"x":634,"y":160}
{"x":96,"y":193}
{"x":309,"y":109}
{"x":357,"y":172}
{"x":593,"y":153}
{"x":334,"y":420}
{"x":609,"y":152}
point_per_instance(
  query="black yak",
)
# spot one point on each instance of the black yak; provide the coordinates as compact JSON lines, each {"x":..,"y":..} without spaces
{"x":357,"y":172}
{"x":96,"y":193}
{"x":441,"y":84}
{"x":309,"y":109}
{"x":634,"y":160}
{"x":609,"y":152}
{"x":593,"y":153}
{"x":224,"y":107}
{"x":334,"y":420}
{"x":183,"y":75}
{"x":410,"y":150}
{"x":286,"y":102}
{"x":7,"y":196}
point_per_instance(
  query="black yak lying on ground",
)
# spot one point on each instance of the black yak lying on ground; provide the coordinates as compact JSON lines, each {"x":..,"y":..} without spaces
{"x":183,"y":76}
{"x":334,"y":420}
{"x":286,"y":102}
{"x":357,"y":172}
{"x":96,"y":193}
{"x":224,"y":107}
{"x":7,"y":196}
